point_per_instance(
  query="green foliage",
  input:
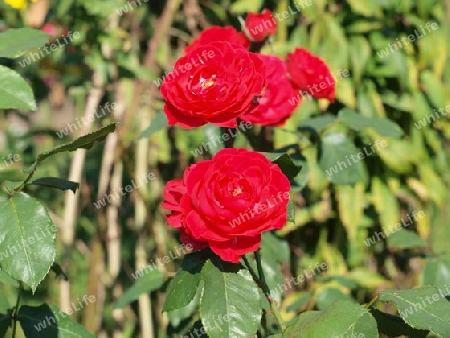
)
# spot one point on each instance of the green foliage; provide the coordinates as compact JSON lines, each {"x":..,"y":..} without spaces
{"x":28,"y":241}
{"x":390,"y":99}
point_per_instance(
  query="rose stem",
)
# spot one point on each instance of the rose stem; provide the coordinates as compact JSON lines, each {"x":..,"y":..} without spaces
{"x":261,"y":281}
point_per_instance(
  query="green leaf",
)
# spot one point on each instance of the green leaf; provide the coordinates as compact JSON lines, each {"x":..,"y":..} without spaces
{"x":11,"y":175}
{"x":159,"y":123}
{"x":301,"y":180}
{"x":434,"y":89}
{"x":274,"y":252}
{"x":27,"y":239}
{"x":39,"y":321}
{"x":183,"y":287}
{"x":147,"y":283}
{"x":11,"y":185}
{"x":15,"y":41}
{"x":274,"y":247}
{"x":5,"y":279}
{"x":291,"y":212}
{"x":287,"y":166}
{"x":318,"y":123}
{"x":85,"y":142}
{"x":422,"y":308}
{"x":329,"y":295}
{"x":105,"y":8}
{"x":55,"y":182}
{"x":14,"y":91}
{"x":337,"y":150}
{"x":395,"y":326}
{"x":343,"y":319}
{"x":213,"y":133}
{"x":242,"y":6}
{"x":358,"y":122}
{"x":178,"y":315}
{"x":436,"y":273}
{"x":404,"y":239}
{"x":230,"y":304}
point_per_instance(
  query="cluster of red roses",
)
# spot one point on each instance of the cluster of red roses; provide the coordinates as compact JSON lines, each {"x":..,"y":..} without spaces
{"x":234,"y":84}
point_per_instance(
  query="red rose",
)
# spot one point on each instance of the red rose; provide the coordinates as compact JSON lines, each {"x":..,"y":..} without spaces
{"x":217,"y":33}
{"x":260,"y":26}
{"x":227,"y":202}
{"x":274,"y":105}
{"x":310,"y":73}
{"x":214,"y":83}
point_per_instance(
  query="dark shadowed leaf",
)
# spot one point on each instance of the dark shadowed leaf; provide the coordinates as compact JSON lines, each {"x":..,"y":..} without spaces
{"x":394,"y":326}
{"x":423,"y":308}
{"x":287,"y":166}
{"x":55,"y":182}
{"x":47,"y":321}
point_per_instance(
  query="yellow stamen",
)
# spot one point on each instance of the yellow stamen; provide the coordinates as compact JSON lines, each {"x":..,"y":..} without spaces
{"x":208,"y":83}
{"x":236,"y":192}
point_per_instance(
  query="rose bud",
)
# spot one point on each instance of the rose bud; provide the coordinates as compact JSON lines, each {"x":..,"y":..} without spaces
{"x":260,"y":26}
{"x":310,"y":74}
{"x":226,"y":203}
{"x":217,"y":33}
{"x":214,"y":83}
{"x":275,"y":102}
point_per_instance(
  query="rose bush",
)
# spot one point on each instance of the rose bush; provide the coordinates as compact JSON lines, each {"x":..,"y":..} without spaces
{"x":216,"y":90}
{"x":308,"y":73}
{"x":227,"y":202}
{"x":274,"y":104}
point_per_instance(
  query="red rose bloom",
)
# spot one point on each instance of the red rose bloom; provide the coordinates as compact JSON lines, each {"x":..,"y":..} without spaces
{"x":227,"y":202}
{"x":310,"y":73}
{"x":214,"y":83}
{"x":260,"y":26}
{"x":217,"y":33}
{"x":275,"y":104}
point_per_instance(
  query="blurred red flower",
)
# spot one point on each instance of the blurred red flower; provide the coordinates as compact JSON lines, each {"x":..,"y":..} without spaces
{"x":260,"y":26}
{"x":310,"y":74}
